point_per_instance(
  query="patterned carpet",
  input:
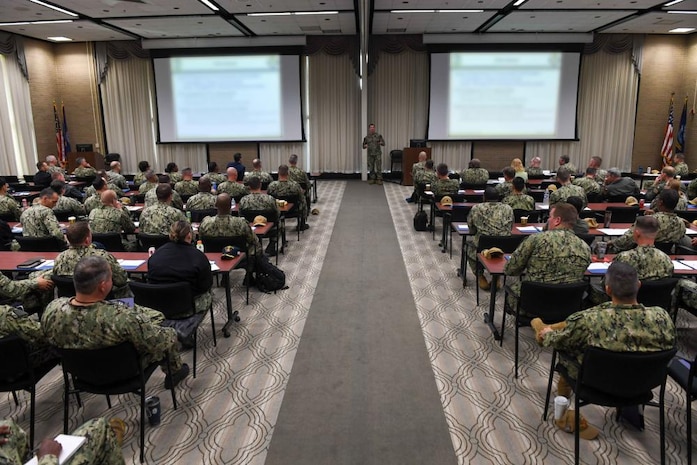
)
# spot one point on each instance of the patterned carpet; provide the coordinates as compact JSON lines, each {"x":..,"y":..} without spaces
{"x":227,"y":414}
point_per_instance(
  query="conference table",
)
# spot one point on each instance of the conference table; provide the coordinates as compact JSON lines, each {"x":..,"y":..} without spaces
{"x":133,"y":263}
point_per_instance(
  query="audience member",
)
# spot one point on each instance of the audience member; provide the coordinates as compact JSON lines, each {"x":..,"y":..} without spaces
{"x":618,"y":187}
{"x":534,"y":169}
{"x":420,"y":164}
{"x":424,"y":177}
{"x":519,"y":169}
{"x":237,"y":164}
{"x":33,"y":293}
{"x":258,"y":172}
{"x":680,"y":166}
{"x":114,"y":175}
{"x":676,"y":185}
{"x":16,"y":322}
{"x":567,"y":189}
{"x":84,"y":169}
{"x":285,"y":187}
{"x":231,"y":186}
{"x":152,"y":180}
{"x":172,"y":170}
{"x":110,"y":217}
{"x":8,"y":205}
{"x":517,"y":199}
{"x":444,"y":185}
{"x":580,"y":227}
{"x":564,"y":163}
{"x":42,"y":178}
{"x":187,"y":185}
{"x":99,"y":186}
{"x":139,"y":178}
{"x":295,"y":173}
{"x":506,"y":187}
{"x":600,"y":174}
{"x":204,"y":199}
{"x":39,"y":219}
{"x":213,"y":173}
{"x":256,"y":200}
{"x":589,"y":183}
{"x":151,"y":196}
{"x":53,"y":165}
{"x":667,"y":175}
{"x":69,"y":190}
{"x":159,"y":218}
{"x":66,"y":204}
{"x":475,"y":174}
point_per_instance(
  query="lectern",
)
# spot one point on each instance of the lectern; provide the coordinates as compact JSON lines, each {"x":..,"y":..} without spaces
{"x":95,"y":159}
{"x":410,"y":155}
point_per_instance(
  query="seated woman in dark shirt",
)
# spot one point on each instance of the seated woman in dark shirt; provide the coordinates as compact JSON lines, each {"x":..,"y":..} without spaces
{"x":178,"y":261}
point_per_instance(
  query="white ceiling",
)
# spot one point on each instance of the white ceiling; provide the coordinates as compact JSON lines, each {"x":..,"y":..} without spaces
{"x":99,"y":20}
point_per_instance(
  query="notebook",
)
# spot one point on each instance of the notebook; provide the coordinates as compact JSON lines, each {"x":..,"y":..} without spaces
{"x":70,"y":445}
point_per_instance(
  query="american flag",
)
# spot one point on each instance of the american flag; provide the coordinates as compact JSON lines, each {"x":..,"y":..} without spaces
{"x":60,"y":148}
{"x":667,"y":148}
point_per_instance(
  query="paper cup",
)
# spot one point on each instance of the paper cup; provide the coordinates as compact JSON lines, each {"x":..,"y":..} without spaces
{"x":523,"y":220}
{"x":561,"y":404}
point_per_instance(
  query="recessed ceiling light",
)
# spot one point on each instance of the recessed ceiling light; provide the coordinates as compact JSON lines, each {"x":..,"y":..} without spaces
{"x":209,"y":5}
{"x":682,"y":12}
{"x":674,"y":2}
{"x":60,"y":39}
{"x":682,"y":30}
{"x":39,"y":2}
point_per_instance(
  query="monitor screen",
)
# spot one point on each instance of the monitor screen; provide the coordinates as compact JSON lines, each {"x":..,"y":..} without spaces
{"x":417,"y":143}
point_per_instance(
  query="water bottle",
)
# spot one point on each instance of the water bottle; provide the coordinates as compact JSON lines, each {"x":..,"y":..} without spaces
{"x":151,"y":251}
{"x":641,"y":170}
{"x":199,"y":246}
{"x":545,"y":199}
{"x":232,"y":205}
{"x":214,"y":188}
{"x":188,"y":216}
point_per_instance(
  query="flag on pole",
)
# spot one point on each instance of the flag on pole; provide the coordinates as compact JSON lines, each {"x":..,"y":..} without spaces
{"x":66,"y":138}
{"x":680,"y":138}
{"x":667,"y":148}
{"x":60,"y":148}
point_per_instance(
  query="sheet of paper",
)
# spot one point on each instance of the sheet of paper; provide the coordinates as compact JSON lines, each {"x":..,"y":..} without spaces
{"x":528,"y":229}
{"x":540,"y":206}
{"x":130,"y":264}
{"x":691,"y":263}
{"x":690,"y":232}
{"x":70,"y":445}
{"x":46,"y":265}
{"x":17,"y":230}
{"x":463,"y":228}
{"x":599,"y":267}
{"x":613,"y":231}
{"x":136,"y":224}
{"x":134,"y":208}
{"x":214,"y":266}
{"x":681,"y":266}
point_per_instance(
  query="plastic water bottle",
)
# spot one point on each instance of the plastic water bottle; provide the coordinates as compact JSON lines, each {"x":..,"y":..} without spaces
{"x":188,"y":216}
{"x":641,"y":170}
{"x":151,"y":251}
{"x":214,"y":188}
{"x":199,"y":246}
{"x":232,"y":205}
{"x":545,"y":199}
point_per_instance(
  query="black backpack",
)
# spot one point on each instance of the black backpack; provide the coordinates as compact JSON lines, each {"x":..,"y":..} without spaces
{"x":421,"y":221}
{"x":269,"y":278}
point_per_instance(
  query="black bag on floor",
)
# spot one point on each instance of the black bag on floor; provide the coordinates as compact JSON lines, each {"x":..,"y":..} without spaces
{"x":421,"y":221}
{"x":269,"y":278}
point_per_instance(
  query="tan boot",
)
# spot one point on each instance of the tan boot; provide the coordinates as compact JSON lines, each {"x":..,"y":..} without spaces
{"x":371,"y":181}
{"x":483,"y":283}
{"x":118,"y":426}
{"x":563,"y":388}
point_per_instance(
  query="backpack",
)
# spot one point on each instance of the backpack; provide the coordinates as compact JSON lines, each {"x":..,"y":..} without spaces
{"x":421,"y":221}
{"x":268,"y":277}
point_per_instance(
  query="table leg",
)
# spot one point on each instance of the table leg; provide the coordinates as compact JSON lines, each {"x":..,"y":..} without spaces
{"x":232,"y":317}
{"x":462,"y":272}
{"x":489,"y":317}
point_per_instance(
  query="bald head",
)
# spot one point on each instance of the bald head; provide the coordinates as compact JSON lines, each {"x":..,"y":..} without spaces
{"x":108,"y":197}
{"x":231,"y":174}
{"x":256,"y":163}
{"x":223,"y":203}
{"x":115,"y":166}
{"x":422,"y":156}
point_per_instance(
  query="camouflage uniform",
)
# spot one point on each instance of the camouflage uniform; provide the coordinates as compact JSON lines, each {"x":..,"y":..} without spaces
{"x":590,"y":186}
{"x":445,"y":187}
{"x":151,"y":199}
{"x":159,"y":218}
{"x":25,"y":290}
{"x":600,"y":176}
{"x":504,"y":189}
{"x":117,"y":179}
{"x":229,"y":226}
{"x":285,"y":188}
{"x":416,"y":167}
{"x":217,"y":178}
{"x":519,"y":201}
{"x":147,"y":186}
{"x":474,"y":176}
{"x":55,"y":169}
{"x":106,"y":324}
{"x":616,"y":327}
{"x":655,"y":189}
{"x":68,"y":205}
{"x":564,"y":192}
{"x":671,"y":228}
{"x":101,"y":447}
{"x":687,"y":290}
{"x":489,"y":218}
{"x":188,"y":187}
{"x":234,"y":189}
{"x":9,"y":205}
{"x":258,"y":201}
{"x":556,"y":256}
{"x":139,"y":179}
{"x":201,"y":201}
{"x":90,"y":190}
{"x":680,"y":207}
{"x":92,"y":202}
{"x":298,"y":175}
{"x":681,"y":169}
{"x":108,"y":219}
{"x":67,"y":260}
{"x":424,"y":177}
{"x":40,"y":221}
{"x":82,"y":172}
{"x":17,"y":322}
{"x":374,"y":142}
{"x":174,"y":177}
{"x":570,"y":168}
{"x":261,"y":174}
{"x":534,"y":171}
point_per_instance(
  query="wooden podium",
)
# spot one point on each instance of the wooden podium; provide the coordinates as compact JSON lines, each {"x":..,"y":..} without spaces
{"x":95,"y":159}
{"x":410,"y":155}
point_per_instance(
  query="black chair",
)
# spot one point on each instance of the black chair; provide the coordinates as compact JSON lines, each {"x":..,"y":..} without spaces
{"x":274,"y":233}
{"x":587,"y":238}
{"x":8,"y":217}
{"x":683,"y":372}
{"x":198,"y":215}
{"x":40,"y":244}
{"x":594,"y":197}
{"x":111,"y":241}
{"x":665,"y":247}
{"x":544,"y":300}
{"x":533,"y":215}
{"x":10,"y":178}
{"x":65,"y":287}
{"x":145,"y":241}
{"x":293,"y":212}
{"x":28,"y":178}
{"x":17,"y":373}
{"x":659,"y":293}
{"x":176,"y":302}
{"x":618,"y":379}
{"x":87,"y":180}
{"x":216,"y":244}
{"x":465,"y":185}
{"x":63,"y":215}
{"x":125,"y":374}
{"x":458,"y":214}
{"x":617,"y":198}
{"x":396,"y":157}
{"x":689,"y":215}
{"x":620,"y":214}
{"x":506,"y":243}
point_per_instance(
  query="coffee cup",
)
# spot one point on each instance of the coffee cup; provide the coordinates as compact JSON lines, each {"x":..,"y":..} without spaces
{"x":600,"y":249}
{"x":561,"y":405}
{"x":523,"y":220}
{"x":71,"y":219}
{"x":428,"y":187}
{"x":152,"y":409}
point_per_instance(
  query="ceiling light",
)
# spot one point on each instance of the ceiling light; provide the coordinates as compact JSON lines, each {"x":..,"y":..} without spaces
{"x":39,"y":2}
{"x":683,"y":12}
{"x":316,"y":13}
{"x":413,"y":11}
{"x":519,"y":2}
{"x":22,"y":23}
{"x":459,"y":11}
{"x":679,"y":30}
{"x":674,"y":2}
{"x":60,"y":39}
{"x":209,"y":5}
{"x":285,"y":13}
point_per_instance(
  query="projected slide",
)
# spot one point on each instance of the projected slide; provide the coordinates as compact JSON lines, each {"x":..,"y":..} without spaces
{"x":227,"y":98}
{"x":503,"y":95}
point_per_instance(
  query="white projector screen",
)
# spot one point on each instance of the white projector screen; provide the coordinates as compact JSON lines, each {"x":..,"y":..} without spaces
{"x":229,"y":98}
{"x":503,"y":95}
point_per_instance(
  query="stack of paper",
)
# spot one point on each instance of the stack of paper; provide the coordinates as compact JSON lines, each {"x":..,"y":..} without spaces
{"x":130,"y":264}
{"x":598,"y":268}
{"x":528,"y":229}
{"x":70,"y":445}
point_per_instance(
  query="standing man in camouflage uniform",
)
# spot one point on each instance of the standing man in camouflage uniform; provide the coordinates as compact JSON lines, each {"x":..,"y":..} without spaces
{"x":84,"y":169}
{"x":444,"y":185}
{"x":103,"y":446}
{"x":680,"y":166}
{"x":490,"y":218}
{"x":374,"y":143}
{"x":110,"y":217}
{"x":517,"y":199}
{"x":151,"y":197}
{"x":256,"y":200}
{"x":623,"y":325}
{"x":8,"y":205}
{"x":187,"y":185}
{"x":258,"y":172}
{"x":534,"y":169}
{"x":204,"y":200}
{"x":567,"y":189}
{"x":285,"y":187}
{"x":114,"y":175}
{"x":671,"y":227}
{"x":159,"y":218}
{"x":80,"y":239}
{"x":475,"y":174}
{"x":87,"y":321}
{"x":553,"y":256}
{"x":66,"y":204}
{"x":39,"y":219}
{"x":589,"y":183}
{"x":231,"y":186}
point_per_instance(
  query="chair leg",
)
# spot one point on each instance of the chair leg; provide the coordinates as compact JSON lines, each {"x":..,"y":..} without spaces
{"x":66,"y":397}
{"x":549,"y":384}
{"x":577,"y":425}
{"x":215,"y":341}
{"x":14,"y":396}
{"x":195,"y":349}
{"x":108,"y":400}
{"x":517,"y":342}
{"x":142,"y":423}
{"x":689,"y":428}
{"x":32,"y":414}
{"x":662,"y":421}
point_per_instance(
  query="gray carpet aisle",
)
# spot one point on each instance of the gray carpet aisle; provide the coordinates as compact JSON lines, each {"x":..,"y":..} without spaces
{"x":362,"y":390}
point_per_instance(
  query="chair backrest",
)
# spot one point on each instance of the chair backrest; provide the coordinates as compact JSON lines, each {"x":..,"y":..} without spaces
{"x":665,"y":247}
{"x":89,"y":366}
{"x":466,"y":185}
{"x":689,"y":215}
{"x":40,"y":244}
{"x":587,"y":238}
{"x":249,"y":215}
{"x":145,"y":241}
{"x":294,"y":199}
{"x":15,"y":365}
{"x":174,"y":300}
{"x":459,"y":213}
{"x":86,"y":179}
{"x":63,"y":215}
{"x":65,"y":286}
{"x":623,"y":214}
{"x":396,"y":155}
{"x":198,"y":215}
{"x":624,"y":374}
{"x":8,"y":216}
{"x":10,"y":178}
{"x":533,"y":215}
{"x":552,"y":302}
{"x":111,"y":241}
{"x":216,"y":244}
{"x":28,"y":178}
{"x":506,"y":243}
{"x":657,"y":292}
